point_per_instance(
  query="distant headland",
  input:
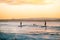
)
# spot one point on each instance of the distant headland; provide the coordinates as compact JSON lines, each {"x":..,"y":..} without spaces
{"x":32,"y":19}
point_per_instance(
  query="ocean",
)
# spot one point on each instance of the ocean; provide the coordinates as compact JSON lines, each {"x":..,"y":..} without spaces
{"x":29,"y":31}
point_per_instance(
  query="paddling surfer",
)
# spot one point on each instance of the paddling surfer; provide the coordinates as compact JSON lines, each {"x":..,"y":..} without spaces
{"x":45,"y":25}
{"x":20,"y":24}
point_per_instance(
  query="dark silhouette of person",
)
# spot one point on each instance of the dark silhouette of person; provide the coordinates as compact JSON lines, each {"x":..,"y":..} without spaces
{"x":45,"y":25}
{"x":20,"y":24}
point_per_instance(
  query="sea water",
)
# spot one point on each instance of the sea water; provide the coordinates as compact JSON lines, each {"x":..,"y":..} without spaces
{"x":12,"y":31}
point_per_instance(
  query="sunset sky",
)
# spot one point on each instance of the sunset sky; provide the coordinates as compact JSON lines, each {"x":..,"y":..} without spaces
{"x":29,"y":9}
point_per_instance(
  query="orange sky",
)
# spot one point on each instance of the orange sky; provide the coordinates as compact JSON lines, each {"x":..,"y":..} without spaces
{"x":29,"y":9}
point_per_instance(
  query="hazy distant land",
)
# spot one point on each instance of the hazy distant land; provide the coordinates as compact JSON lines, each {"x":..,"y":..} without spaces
{"x":32,"y":19}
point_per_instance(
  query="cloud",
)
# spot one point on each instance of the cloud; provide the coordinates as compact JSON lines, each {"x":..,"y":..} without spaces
{"x":28,"y":10}
{"x":29,"y":1}
{"x":22,"y":1}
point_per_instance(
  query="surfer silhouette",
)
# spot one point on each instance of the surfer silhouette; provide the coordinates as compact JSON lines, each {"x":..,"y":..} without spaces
{"x":45,"y":25}
{"x":20,"y":24}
